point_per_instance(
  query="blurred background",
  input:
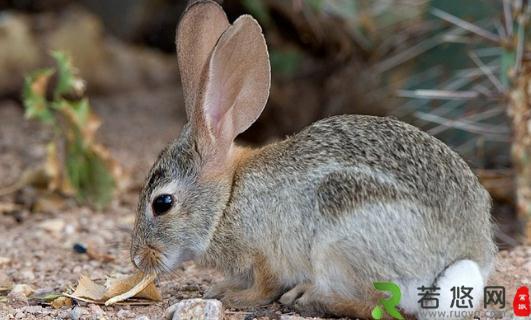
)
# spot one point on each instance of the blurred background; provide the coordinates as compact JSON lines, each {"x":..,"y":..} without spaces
{"x":456,"y":69}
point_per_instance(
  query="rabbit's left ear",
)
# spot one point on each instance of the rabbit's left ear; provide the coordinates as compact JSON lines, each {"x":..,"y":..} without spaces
{"x":236,"y":85}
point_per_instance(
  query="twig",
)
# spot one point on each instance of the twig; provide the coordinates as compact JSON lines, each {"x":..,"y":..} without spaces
{"x":438,"y":94}
{"x":508,"y":17}
{"x":521,"y":44}
{"x":500,"y":29}
{"x":487,"y":71}
{"x":475,"y":117}
{"x":463,"y":125}
{"x":465,"y":25}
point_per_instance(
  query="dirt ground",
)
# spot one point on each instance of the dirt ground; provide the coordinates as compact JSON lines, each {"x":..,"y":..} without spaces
{"x":36,"y":248}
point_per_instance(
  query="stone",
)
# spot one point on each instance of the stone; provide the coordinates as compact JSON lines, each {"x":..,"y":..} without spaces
{"x":27,"y":275}
{"x":76,"y":313}
{"x":125,"y":314}
{"x":25,"y":289}
{"x":5,"y":281}
{"x":17,"y":299}
{"x":95,"y":311}
{"x":190,"y":309}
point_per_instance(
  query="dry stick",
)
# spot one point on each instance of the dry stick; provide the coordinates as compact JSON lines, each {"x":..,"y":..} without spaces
{"x":499,"y":29}
{"x":521,"y":45}
{"x":415,"y":51}
{"x":465,"y":25}
{"x":487,"y":71}
{"x":508,"y":17}
{"x":438,"y":94}
{"x":464,"y":125}
{"x":472,"y":118}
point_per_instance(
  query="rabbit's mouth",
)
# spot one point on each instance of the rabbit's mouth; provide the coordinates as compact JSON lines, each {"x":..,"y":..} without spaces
{"x":151,"y":258}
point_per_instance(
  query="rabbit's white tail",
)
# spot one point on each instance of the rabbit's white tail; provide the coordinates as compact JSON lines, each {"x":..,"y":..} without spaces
{"x":461,"y":292}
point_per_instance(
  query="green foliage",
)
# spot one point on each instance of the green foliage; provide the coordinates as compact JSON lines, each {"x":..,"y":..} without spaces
{"x":259,"y":10}
{"x":86,"y":166}
{"x":34,"y":96}
{"x":285,"y":62}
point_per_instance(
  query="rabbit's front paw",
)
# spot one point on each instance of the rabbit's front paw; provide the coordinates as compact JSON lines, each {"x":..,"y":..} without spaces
{"x":218,"y":290}
{"x":248,"y":298}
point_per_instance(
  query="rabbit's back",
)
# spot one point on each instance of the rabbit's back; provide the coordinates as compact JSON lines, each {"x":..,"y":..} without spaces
{"x":378,"y":190}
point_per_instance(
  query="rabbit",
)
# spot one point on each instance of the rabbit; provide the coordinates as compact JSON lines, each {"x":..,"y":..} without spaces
{"x":312,"y":220}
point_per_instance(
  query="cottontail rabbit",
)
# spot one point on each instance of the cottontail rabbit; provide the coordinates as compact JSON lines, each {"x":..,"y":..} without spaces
{"x":314,"y":219}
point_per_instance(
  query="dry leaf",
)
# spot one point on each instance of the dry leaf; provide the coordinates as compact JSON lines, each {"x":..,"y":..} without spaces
{"x":61,"y":302}
{"x":89,"y":289}
{"x":98,"y":255}
{"x":138,"y":285}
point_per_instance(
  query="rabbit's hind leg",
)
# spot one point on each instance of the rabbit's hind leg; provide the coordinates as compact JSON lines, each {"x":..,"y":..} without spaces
{"x":295,"y":293}
{"x":313,"y":302}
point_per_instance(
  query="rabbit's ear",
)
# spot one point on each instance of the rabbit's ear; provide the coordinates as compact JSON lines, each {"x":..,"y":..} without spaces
{"x":198,"y":32}
{"x":236,"y":84}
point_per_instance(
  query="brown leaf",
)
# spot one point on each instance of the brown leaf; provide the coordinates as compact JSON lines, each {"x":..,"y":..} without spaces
{"x":87,"y":288}
{"x":137,"y":285}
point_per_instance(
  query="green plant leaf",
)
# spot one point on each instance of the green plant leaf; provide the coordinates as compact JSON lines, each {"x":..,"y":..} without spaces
{"x":34,"y":96}
{"x":89,"y":175}
{"x":66,"y":79}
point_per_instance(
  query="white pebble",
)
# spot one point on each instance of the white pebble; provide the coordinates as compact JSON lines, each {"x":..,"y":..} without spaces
{"x":207,"y":309}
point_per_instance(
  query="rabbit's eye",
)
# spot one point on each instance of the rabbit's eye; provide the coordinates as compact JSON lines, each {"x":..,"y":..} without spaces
{"x":162,"y":204}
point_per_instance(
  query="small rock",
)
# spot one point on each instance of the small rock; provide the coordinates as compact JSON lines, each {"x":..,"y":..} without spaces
{"x":25,"y":289}
{"x":63,"y":314}
{"x":95,"y":311}
{"x":17,"y":299}
{"x":70,"y":229}
{"x":79,"y":248}
{"x":527,"y":267}
{"x":125,"y":314}
{"x":5,"y":281}
{"x":19,"y":315}
{"x":4,"y":260}
{"x":53,"y":225}
{"x":27,"y":275}
{"x":142,"y":318}
{"x":76,"y":313}
{"x":36,"y":310}
{"x":208,"y":309}
{"x":288,"y":317}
